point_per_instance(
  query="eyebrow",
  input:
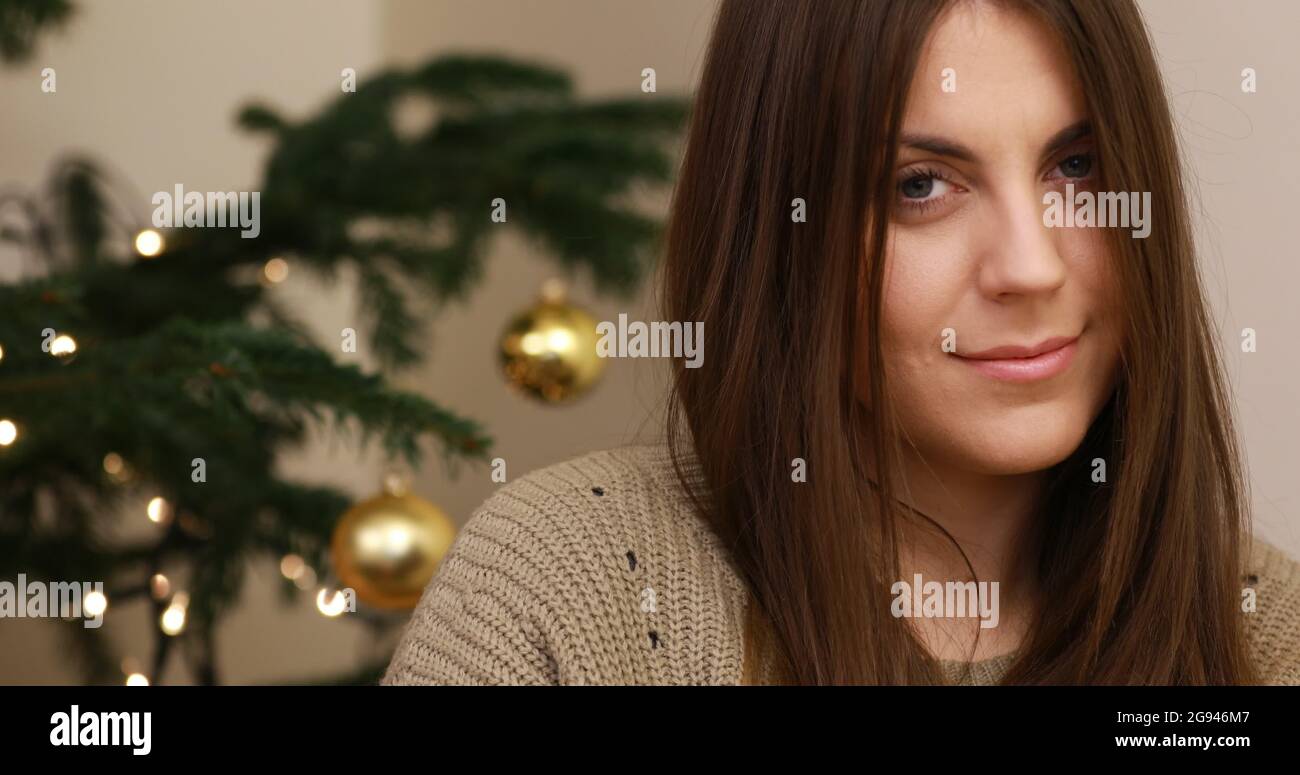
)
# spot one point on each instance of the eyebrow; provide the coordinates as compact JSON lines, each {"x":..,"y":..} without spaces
{"x":942,"y":146}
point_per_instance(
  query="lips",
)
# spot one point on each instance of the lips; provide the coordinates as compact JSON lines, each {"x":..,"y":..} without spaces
{"x":1024,"y":363}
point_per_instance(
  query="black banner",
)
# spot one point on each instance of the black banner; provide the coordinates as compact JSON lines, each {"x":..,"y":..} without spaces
{"x":445,"y":724}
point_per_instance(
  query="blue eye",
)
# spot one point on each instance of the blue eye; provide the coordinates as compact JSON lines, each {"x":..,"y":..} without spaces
{"x":923,"y":191}
{"x":918,"y":187}
{"x":924,"y":188}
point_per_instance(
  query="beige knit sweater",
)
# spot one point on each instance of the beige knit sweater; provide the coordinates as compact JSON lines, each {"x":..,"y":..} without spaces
{"x":598,"y":571}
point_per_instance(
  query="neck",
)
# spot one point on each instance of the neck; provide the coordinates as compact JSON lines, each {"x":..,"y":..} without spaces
{"x":992,"y":518}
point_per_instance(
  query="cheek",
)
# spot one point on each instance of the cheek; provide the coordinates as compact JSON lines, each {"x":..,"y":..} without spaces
{"x":924,"y":286}
{"x":1085,"y":253}
{"x":1093,"y":275}
{"x":925,"y":279}
{"x":957,"y":417}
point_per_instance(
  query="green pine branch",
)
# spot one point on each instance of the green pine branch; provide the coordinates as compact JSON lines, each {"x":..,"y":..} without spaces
{"x":170,"y":368}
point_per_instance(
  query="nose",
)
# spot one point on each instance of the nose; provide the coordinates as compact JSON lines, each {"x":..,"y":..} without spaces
{"x":1022,"y":256}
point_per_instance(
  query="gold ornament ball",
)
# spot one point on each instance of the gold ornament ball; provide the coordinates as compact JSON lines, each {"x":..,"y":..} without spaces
{"x":387,"y":548}
{"x":549,"y":352}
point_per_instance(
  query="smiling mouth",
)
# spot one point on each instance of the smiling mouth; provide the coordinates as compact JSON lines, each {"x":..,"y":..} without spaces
{"x":1017,"y":363}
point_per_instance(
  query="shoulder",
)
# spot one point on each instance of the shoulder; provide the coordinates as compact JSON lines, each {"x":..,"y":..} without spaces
{"x":623,"y":499}
{"x":593,"y":570}
{"x":615,"y":512}
{"x":627,"y":484}
{"x":1271,"y":583}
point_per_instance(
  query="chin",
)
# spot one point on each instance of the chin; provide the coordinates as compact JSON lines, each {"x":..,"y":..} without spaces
{"x":1025,"y":442}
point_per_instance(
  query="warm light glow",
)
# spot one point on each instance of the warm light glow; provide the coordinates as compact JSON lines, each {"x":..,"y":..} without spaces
{"x":331,"y":605}
{"x":172,"y":620}
{"x":113,"y":463}
{"x":118,"y":470}
{"x":389,"y":540}
{"x":8,"y":432}
{"x":159,"y":586}
{"x":533,"y":343}
{"x":275,"y":270}
{"x":137,"y":679}
{"x":159,"y":510}
{"x":2,"y":353}
{"x":95,"y":604}
{"x":63,"y":345}
{"x":148,"y":243}
{"x":292,"y":566}
{"x":370,"y":540}
{"x":560,"y":340}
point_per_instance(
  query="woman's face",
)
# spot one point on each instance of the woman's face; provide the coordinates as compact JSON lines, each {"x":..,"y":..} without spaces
{"x":974,"y":280}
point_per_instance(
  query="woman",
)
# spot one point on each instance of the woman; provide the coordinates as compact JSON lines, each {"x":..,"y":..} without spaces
{"x":926,"y":394}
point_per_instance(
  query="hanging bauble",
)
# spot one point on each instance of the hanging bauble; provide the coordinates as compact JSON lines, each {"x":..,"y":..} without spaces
{"x":549,"y":350}
{"x":387,"y":548}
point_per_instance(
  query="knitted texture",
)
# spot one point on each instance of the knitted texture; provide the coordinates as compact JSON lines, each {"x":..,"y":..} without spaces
{"x":599,"y":571}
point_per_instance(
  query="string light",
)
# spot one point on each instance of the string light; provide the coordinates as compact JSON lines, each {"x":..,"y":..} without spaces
{"x":172,"y":620}
{"x":95,"y":604}
{"x":275,"y":270}
{"x":292,"y":566}
{"x":148,"y":243}
{"x":330,"y":606}
{"x":113,"y":464}
{"x":8,"y":432}
{"x":2,"y":353}
{"x":63,"y":346}
{"x":117,"y":468}
{"x":159,"y":510}
{"x":159,"y":586}
{"x":131,"y":669}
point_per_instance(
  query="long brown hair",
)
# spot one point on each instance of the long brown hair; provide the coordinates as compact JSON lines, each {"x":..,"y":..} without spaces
{"x":804,"y":98}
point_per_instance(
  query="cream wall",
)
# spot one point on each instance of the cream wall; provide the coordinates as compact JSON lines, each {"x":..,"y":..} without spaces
{"x":153,"y":86}
{"x":1244,"y":159}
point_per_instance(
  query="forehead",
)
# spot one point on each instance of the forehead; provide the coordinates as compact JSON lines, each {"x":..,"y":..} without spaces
{"x":1011,"y":74}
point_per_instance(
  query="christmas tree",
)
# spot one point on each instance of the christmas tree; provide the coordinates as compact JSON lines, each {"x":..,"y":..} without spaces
{"x":151,"y":361}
